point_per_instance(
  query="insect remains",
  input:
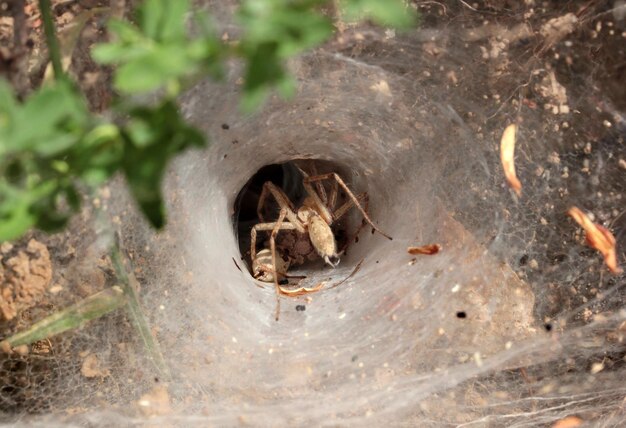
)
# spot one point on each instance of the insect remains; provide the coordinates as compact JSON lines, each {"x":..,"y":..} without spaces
{"x":306,"y":232}
{"x":264,"y":269}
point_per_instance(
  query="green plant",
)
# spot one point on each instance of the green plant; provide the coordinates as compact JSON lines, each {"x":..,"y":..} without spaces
{"x":51,"y":146}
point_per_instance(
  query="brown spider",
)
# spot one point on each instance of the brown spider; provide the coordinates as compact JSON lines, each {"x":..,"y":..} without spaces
{"x":312,"y":221}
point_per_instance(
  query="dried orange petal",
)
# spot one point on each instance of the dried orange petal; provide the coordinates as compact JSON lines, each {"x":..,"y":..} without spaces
{"x":294,"y":292}
{"x":428,"y":250}
{"x":568,"y":422}
{"x":598,"y":238}
{"x":507,"y":156}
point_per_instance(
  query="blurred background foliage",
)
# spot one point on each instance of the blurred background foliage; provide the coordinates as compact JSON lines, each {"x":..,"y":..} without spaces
{"x":52,"y":148}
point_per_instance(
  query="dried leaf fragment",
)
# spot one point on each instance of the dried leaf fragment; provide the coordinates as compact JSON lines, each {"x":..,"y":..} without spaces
{"x":427,"y":250}
{"x":598,"y":238}
{"x":156,"y":402}
{"x":294,"y":292}
{"x":381,"y":87}
{"x":568,"y":422}
{"x":92,"y":367}
{"x":507,"y":156}
{"x":558,"y":28}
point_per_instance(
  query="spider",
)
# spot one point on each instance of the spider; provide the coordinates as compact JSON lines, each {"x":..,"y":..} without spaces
{"x":311,"y":221}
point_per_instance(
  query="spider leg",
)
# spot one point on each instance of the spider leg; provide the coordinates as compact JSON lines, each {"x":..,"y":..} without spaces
{"x":322,"y":210}
{"x":332,"y":198}
{"x":342,"y":210}
{"x":277,"y":227}
{"x":266,"y":226}
{"x":283,"y":202}
{"x":337,"y":214}
{"x":321,"y":191}
{"x":343,"y":185}
{"x":318,"y":197}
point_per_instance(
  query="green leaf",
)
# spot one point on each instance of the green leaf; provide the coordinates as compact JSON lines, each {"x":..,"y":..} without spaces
{"x":173,"y":22}
{"x":293,"y":26}
{"x":163,"y":20}
{"x":150,"y":14}
{"x":54,"y":209}
{"x":49,"y":122}
{"x":125,"y":31}
{"x":140,"y":133}
{"x":95,"y":176}
{"x":251,"y":99}
{"x":146,"y":154}
{"x":158,"y":53}
{"x":287,"y":87}
{"x":264,"y":70}
{"x":153,"y":70}
{"x":111,"y":53}
{"x":99,"y":154}
{"x":101,"y":134}
{"x":17,"y":207}
{"x":393,"y":13}
{"x":15,"y":217}
{"x":273,"y":31}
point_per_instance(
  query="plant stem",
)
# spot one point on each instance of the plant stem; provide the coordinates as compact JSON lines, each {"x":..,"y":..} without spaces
{"x":18,"y":70}
{"x":72,"y":317}
{"x":51,"y":39}
{"x":130,"y":285}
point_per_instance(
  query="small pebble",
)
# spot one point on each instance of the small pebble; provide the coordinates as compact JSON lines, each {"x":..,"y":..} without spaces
{"x":597,"y":368}
{"x":21,"y":350}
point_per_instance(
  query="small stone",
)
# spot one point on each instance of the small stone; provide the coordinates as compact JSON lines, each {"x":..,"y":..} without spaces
{"x":56,"y":288}
{"x":597,"y":368}
{"x":21,"y":350}
{"x":554,"y":158}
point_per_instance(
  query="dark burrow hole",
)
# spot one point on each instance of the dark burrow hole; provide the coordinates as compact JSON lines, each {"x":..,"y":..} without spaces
{"x":290,"y":245}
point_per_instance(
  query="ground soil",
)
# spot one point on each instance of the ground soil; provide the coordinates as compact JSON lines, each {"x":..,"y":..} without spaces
{"x":25,"y":275}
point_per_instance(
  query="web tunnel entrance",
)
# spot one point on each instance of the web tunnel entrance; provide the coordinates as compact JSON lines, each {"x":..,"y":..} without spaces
{"x":296,"y":250}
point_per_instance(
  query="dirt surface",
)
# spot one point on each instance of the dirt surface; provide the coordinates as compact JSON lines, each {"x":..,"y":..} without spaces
{"x":24,"y":57}
{"x":25,"y":275}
